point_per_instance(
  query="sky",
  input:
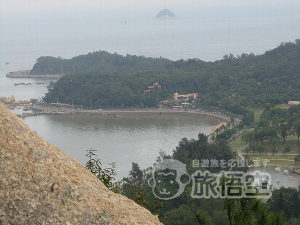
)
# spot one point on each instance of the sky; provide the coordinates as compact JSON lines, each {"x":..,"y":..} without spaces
{"x":52,"y":6}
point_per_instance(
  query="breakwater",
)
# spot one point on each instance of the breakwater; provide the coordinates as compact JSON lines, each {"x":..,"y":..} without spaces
{"x":26,"y":74}
{"x":23,"y":115}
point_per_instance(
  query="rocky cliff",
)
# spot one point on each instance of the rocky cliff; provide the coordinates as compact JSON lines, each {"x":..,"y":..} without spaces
{"x":40,"y":184}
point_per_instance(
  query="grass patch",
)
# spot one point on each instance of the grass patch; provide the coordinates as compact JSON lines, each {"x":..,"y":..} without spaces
{"x":282,"y":163}
{"x":278,"y":160}
{"x":271,"y":157}
{"x":282,"y":106}
{"x":236,"y":143}
{"x":291,"y":140}
{"x":257,"y":112}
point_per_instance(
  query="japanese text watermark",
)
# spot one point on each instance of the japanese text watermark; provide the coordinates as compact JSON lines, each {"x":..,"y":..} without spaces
{"x":215,"y":163}
{"x":170,"y":177}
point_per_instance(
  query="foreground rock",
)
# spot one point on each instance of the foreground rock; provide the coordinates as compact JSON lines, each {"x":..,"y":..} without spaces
{"x":40,"y":184}
{"x":12,"y":101}
{"x":9,"y":100}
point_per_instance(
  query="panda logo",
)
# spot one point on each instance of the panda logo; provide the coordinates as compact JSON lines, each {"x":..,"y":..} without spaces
{"x":169,"y":178}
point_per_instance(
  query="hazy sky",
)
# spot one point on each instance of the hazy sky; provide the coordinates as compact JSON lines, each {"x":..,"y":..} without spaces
{"x":33,"y":6}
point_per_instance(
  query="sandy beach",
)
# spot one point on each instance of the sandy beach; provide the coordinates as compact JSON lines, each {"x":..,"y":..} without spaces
{"x":218,"y":126}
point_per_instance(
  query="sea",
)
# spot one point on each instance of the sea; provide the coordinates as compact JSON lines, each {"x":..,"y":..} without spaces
{"x":206,"y":33}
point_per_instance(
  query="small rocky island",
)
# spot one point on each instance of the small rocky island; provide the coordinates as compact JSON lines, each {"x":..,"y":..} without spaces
{"x":165,"y":14}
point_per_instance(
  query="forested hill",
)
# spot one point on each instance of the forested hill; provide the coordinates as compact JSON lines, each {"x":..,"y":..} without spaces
{"x":100,"y":61}
{"x":232,"y":82}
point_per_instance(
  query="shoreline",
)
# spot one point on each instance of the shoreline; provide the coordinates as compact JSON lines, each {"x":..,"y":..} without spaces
{"x":119,"y":113}
{"x":221,"y":119}
{"x":33,"y":76}
{"x":152,"y":112}
{"x":144,"y":112}
{"x":218,"y":126}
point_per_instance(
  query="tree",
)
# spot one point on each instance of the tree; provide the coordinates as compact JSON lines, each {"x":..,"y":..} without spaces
{"x":285,"y":200}
{"x":248,"y":119}
{"x":157,"y":205}
{"x":295,"y":207}
{"x":139,"y":196}
{"x":162,"y":155}
{"x":274,"y":140}
{"x":280,"y":203}
{"x":284,"y":130}
{"x":105,"y":175}
{"x":202,"y":217}
{"x":253,"y":148}
{"x":294,"y":221}
{"x":248,"y":137}
{"x":278,"y":219}
{"x":297,"y":158}
{"x":242,"y":211}
{"x":181,"y":215}
{"x":274,"y":150}
{"x":287,"y":149}
{"x":262,"y":134}
{"x":260,"y":149}
{"x":297,"y":129}
{"x":247,"y":150}
{"x":136,"y":173}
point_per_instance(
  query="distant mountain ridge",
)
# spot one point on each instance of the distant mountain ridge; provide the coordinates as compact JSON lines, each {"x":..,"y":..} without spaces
{"x":165,"y":14}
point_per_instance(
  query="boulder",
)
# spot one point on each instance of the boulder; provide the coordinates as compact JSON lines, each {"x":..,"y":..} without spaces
{"x":40,"y":184}
{"x":9,"y":100}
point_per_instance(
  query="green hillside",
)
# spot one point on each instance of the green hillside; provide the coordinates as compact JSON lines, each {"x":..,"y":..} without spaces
{"x":230,"y":83}
{"x":100,"y":61}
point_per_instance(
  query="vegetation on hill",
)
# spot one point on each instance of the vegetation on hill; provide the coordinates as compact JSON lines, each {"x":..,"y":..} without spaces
{"x":277,"y":132}
{"x":282,"y":208}
{"x":100,"y":61}
{"x":231,"y":83}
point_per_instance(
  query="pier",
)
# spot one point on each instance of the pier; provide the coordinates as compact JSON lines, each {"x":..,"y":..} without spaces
{"x":26,"y":74}
{"x":23,"y":115}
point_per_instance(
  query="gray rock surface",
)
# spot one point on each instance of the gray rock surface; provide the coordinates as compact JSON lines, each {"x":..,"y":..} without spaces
{"x":40,"y":184}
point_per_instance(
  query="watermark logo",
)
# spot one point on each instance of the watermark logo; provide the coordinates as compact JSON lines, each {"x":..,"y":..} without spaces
{"x":170,"y":177}
{"x":231,"y":184}
{"x":215,"y":163}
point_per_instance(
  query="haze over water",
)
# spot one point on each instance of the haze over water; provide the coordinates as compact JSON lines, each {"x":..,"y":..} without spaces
{"x":205,"y":31}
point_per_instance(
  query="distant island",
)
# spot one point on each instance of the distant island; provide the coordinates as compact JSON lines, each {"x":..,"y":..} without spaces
{"x":165,"y":14}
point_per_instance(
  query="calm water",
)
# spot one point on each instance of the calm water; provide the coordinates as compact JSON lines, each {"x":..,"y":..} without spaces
{"x":123,"y":139}
{"x":206,"y":33}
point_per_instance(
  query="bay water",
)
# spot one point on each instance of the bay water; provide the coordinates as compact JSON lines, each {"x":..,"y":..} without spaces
{"x":206,"y":33}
